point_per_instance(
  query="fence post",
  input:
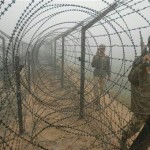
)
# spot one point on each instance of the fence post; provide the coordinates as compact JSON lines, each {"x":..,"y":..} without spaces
{"x":51,"y":53}
{"x":12,"y":57}
{"x":83,"y":31}
{"x":18,"y":91}
{"x":82,"y":73}
{"x":3,"y":61}
{"x":29,"y":71}
{"x":55,"y":57}
{"x":62,"y":67}
{"x":32,"y":64}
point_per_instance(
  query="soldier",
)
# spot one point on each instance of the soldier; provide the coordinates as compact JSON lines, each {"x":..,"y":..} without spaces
{"x":101,"y":63}
{"x":21,"y":68}
{"x":139,"y":78}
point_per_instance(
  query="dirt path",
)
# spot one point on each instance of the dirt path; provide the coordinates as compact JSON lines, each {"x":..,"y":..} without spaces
{"x":52,"y":116}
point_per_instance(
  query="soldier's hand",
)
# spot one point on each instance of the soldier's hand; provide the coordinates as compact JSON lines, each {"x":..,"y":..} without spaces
{"x":146,"y":58}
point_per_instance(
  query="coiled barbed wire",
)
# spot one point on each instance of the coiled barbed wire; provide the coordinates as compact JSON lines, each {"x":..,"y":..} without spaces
{"x":45,"y":103}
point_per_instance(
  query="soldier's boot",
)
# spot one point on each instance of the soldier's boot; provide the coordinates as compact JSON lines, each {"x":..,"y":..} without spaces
{"x":123,"y":140}
{"x":123,"y":146}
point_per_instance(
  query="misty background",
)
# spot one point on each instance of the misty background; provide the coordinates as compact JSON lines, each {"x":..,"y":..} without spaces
{"x":119,"y":31}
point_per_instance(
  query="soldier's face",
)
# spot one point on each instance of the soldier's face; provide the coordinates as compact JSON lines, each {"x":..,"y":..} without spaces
{"x":101,"y":50}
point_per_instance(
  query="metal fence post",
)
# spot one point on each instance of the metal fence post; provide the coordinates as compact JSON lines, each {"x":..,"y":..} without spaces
{"x":83,"y":31}
{"x":3,"y":61}
{"x":82,"y":73}
{"x":29,"y":71}
{"x":32,"y":64}
{"x":18,"y":93}
{"x":50,"y":52}
{"x":62,"y":67}
{"x":55,"y":57}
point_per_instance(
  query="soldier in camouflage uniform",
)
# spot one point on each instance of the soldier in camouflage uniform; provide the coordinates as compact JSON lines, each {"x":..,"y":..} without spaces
{"x":101,"y":63}
{"x":139,"y":77}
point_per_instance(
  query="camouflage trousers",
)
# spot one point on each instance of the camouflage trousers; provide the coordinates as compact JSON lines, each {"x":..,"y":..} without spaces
{"x":99,"y":84}
{"x":134,"y":126}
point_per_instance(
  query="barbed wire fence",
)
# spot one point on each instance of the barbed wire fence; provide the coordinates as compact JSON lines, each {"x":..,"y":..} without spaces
{"x":54,"y":87}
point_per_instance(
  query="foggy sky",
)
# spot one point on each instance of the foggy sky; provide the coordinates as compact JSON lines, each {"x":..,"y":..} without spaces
{"x":11,"y":17}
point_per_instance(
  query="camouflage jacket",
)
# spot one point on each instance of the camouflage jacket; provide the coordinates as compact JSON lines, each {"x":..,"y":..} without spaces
{"x":101,"y":65}
{"x":140,"y":89}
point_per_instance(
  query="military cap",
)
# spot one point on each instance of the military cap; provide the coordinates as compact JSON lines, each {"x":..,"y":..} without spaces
{"x":101,"y":46}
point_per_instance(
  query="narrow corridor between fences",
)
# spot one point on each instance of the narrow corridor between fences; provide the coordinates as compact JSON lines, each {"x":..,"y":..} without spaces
{"x":47,"y":84}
